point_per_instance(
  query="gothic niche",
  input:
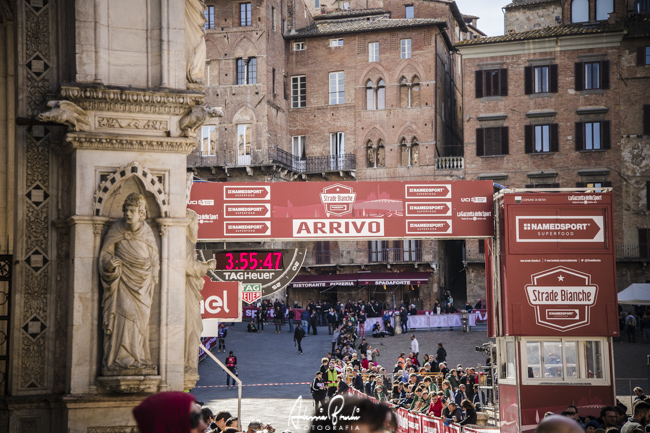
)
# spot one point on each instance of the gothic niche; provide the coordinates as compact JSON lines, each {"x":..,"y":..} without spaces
{"x":129,"y":270}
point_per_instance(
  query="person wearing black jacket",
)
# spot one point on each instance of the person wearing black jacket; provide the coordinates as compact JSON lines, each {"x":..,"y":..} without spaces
{"x":441,"y":354}
{"x":314,"y":322}
{"x":403,"y":315}
{"x":357,"y":381}
{"x":298,"y":335}
{"x":455,"y":414}
{"x":318,"y":390}
{"x":370,"y":386}
{"x":470,"y":413}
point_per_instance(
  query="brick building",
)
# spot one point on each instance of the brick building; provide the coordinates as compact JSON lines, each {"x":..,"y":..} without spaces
{"x":362,"y":90}
{"x":543,"y":107}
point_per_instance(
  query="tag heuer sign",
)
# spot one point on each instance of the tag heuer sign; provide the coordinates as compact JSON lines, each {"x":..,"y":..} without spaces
{"x":251,"y":292}
{"x":262,"y":272}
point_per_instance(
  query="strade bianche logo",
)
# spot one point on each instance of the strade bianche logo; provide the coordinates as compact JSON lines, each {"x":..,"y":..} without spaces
{"x":562,"y":298}
{"x":338,"y":199}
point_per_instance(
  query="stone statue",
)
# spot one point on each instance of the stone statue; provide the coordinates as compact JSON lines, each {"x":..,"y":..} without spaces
{"x":128,"y":267}
{"x":195,"y":270}
{"x":195,"y":118}
{"x":195,"y":51}
{"x":67,"y":113}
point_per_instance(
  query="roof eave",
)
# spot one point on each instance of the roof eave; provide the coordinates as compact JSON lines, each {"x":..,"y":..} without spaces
{"x":442,"y":25}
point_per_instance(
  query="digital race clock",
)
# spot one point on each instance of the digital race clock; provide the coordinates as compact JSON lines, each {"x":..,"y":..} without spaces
{"x":249,"y":260}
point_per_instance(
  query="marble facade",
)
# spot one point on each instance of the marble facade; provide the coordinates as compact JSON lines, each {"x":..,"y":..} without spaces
{"x":110,"y":85}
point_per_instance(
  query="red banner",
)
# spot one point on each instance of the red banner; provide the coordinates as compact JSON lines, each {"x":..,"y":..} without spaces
{"x":342,"y":210}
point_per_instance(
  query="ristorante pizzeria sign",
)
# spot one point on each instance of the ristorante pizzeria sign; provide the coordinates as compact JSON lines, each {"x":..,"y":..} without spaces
{"x":355,"y":210}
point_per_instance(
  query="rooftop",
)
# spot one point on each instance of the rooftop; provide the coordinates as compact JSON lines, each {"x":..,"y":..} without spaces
{"x":548,"y":32}
{"x":522,"y":3}
{"x":348,"y":13}
{"x":365,"y":24}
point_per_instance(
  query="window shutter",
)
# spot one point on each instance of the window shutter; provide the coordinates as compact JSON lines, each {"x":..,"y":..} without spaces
{"x":606,"y":135}
{"x":528,"y":138}
{"x":554,"y":79}
{"x":504,"y":82}
{"x":646,"y":120}
{"x":580,"y":136}
{"x":504,"y":140}
{"x":370,"y":252}
{"x":479,"y":142}
{"x":555,"y":138}
{"x":478,"y":76}
{"x":604,"y":76}
{"x":640,"y":56}
{"x":578,"y":73}
{"x":528,"y":80}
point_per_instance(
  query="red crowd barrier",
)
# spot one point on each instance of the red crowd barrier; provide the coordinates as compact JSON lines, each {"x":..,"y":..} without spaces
{"x":408,"y":422}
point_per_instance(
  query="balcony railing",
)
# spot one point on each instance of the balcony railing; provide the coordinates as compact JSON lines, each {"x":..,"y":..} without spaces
{"x":633,"y":252}
{"x":393,"y":255}
{"x":450,"y":163}
{"x":227,"y":159}
{"x":313,"y":164}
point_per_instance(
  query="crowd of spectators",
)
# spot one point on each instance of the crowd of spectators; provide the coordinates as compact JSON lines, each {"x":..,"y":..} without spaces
{"x":425,"y":385}
{"x":613,"y":419}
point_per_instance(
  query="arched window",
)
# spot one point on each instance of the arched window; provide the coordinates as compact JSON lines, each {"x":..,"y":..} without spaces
{"x":370,"y":96}
{"x":415,"y":151}
{"x":381,"y":154}
{"x":404,"y":93}
{"x":372,"y":154}
{"x":381,"y":95}
{"x":376,"y":154}
{"x":603,"y":9}
{"x":579,"y":11}
{"x":415,"y":92}
{"x":405,"y":151}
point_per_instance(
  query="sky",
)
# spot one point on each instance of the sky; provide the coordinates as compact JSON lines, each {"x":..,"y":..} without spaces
{"x":489,"y":11}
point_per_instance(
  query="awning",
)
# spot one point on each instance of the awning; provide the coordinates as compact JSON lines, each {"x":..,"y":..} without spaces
{"x":361,"y":279}
{"x":393,"y":278}
{"x":320,"y":281}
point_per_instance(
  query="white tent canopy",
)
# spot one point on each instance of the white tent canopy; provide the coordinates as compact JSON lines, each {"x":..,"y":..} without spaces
{"x":635,"y":294}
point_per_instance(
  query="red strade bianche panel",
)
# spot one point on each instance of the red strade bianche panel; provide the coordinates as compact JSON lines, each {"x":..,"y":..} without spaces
{"x":343,"y":210}
{"x":558,"y":275}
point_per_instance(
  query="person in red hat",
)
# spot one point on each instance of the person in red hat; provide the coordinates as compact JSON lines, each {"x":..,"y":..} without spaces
{"x":169,"y":412}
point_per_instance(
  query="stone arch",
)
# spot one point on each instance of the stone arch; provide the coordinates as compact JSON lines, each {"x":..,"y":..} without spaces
{"x":375,"y":134}
{"x":244,"y":113}
{"x":212,"y":50}
{"x":245,"y":47}
{"x":409,"y":68}
{"x":132,"y":178}
{"x":373,"y":72}
{"x":408,"y":131}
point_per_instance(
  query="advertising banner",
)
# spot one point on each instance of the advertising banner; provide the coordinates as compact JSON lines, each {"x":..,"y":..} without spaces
{"x":558,"y":273}
{"x":222,"y":302}
{"x":342,"y":210}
